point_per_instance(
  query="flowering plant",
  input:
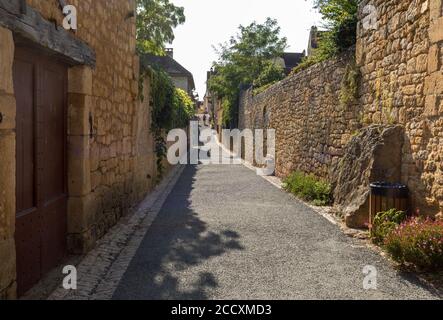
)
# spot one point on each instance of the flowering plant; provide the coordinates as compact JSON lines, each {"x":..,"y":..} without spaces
{"x":384,"y":223}
{"x":417,"y":242}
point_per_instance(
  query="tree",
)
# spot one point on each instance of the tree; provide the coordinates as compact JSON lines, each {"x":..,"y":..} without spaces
{"x":171,"y":108}
{"x":156,"y":20}
{"x":248,"y":59}
{"x":340,"y":21}
{"x":340,"y":24}
{"x":184,"y":108}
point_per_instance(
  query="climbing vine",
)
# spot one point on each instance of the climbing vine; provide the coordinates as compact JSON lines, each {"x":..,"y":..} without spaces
{"x":350,"y":85}
{"x":170,"y":108}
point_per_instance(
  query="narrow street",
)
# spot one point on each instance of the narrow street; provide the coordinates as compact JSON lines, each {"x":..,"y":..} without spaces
{"x":226,"y":233}
{"x":326,"y":116}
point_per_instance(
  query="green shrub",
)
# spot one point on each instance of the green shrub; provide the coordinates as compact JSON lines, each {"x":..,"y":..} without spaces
{"x":340,"y":30}
{"x":384,"y":223}
{"x":417,"y":243}
{"x":170,"y":108}
{"x":309,"y":188}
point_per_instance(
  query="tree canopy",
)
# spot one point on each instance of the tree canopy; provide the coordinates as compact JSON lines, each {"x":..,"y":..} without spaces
{"x":340,"y":20}
{"x":248,"y":58}
{"x":340,"y":29}
{"x":156,"y":20}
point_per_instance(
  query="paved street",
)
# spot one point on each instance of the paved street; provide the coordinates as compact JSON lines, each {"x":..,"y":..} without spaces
{"x":225,"y":233}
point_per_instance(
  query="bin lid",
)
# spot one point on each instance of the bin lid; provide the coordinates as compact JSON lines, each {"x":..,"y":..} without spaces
{"x":388,"y":185}
{"x":385,"y":188}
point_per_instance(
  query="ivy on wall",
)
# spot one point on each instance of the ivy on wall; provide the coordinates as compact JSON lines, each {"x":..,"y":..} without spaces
{"x":350,"y":84}
{"x":170,"y":108}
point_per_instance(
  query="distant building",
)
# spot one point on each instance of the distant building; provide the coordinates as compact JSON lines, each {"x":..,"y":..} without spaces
{"x":180,"y":76}
{"x":290,"y":60}
{"x":314,"y":37}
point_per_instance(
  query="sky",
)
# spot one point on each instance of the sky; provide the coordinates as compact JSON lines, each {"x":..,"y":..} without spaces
{"x":211,"y":22}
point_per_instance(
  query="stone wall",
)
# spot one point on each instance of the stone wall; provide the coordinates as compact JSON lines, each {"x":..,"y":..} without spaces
{"x":399,"y":55}
{"x":111,"y":165}
{"x":7,"y":167}
{"x":402,"y":83}
{"x":311,"y":124}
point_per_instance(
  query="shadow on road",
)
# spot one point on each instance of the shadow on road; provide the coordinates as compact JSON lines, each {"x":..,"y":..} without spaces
{"x":177,"y":240}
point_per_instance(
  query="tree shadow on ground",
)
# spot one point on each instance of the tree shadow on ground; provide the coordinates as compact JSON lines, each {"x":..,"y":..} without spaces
{"x":177,"y":240}
{"x":429,"y":281}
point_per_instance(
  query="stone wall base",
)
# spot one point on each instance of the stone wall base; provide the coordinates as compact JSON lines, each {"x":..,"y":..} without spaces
{"x":80,"y":243}
{"x":9,"y":293}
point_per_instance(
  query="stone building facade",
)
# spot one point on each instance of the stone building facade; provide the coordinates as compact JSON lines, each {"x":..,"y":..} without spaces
{"x":109,"y":151}
{"x":399,"y":55}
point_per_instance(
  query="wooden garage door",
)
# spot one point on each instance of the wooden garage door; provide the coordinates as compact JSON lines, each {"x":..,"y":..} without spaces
{"x":40,"y":90}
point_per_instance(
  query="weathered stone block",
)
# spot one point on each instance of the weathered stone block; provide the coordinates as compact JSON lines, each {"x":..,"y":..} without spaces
{"x":7,"y":268}
{"x":80,"y":243}
{"x":79,"y":170}
{"x":9,"y":293}
{"x":80,"y":80}
{"x":434,"y":83}
{"x":81,"y":213}
{"x":78,"y":114}
{"x":436,"y":30}
{"x":7,"y":184}
{"x":7,"y":111}
{"x":422,"y":63}
{"x":434,"y":58}
{"x":6,"y":60}
{"x":136,"y":67}
{"x":435,"y":8}
{"x":431,"y":106}
{"x":373,"y":155}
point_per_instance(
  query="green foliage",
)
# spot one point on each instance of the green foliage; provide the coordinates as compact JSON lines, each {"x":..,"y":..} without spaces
{"x":384,"y":223}
{"x":309,"y":188}
{"x":227,"y":111}
{"x":340,"y":19}
{"x":271,"y":73}
{"x":261,"y":89}
{"x":350,"y":85}
{"x":184,"y":108}
{"x":171,"y":108}
{"x":156,"y":20}
{"x":248,"y":59}
{"x":162,"y":99}
{"x":417,"y":243}
{"x":340,"y":24}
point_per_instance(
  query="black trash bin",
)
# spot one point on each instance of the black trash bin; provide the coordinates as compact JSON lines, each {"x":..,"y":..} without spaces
{"x":385,"y":196}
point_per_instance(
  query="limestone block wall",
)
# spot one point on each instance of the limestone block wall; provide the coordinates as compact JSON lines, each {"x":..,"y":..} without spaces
{"x":111,"y":164}
{"x":145,"y":168}
{"x":7,"y":169}
{"x":402,"y":83}
{"x":311,"y":124}
{"x":101,"y":134}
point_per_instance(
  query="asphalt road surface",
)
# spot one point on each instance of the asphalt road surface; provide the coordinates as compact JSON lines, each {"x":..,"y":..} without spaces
{"x":226,"y":233}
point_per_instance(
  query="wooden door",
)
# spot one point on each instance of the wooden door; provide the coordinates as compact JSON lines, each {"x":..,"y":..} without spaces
{"x":41,"y":196}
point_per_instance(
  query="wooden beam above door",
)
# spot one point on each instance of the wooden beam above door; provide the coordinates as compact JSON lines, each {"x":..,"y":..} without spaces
{"x":26,"y":23}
